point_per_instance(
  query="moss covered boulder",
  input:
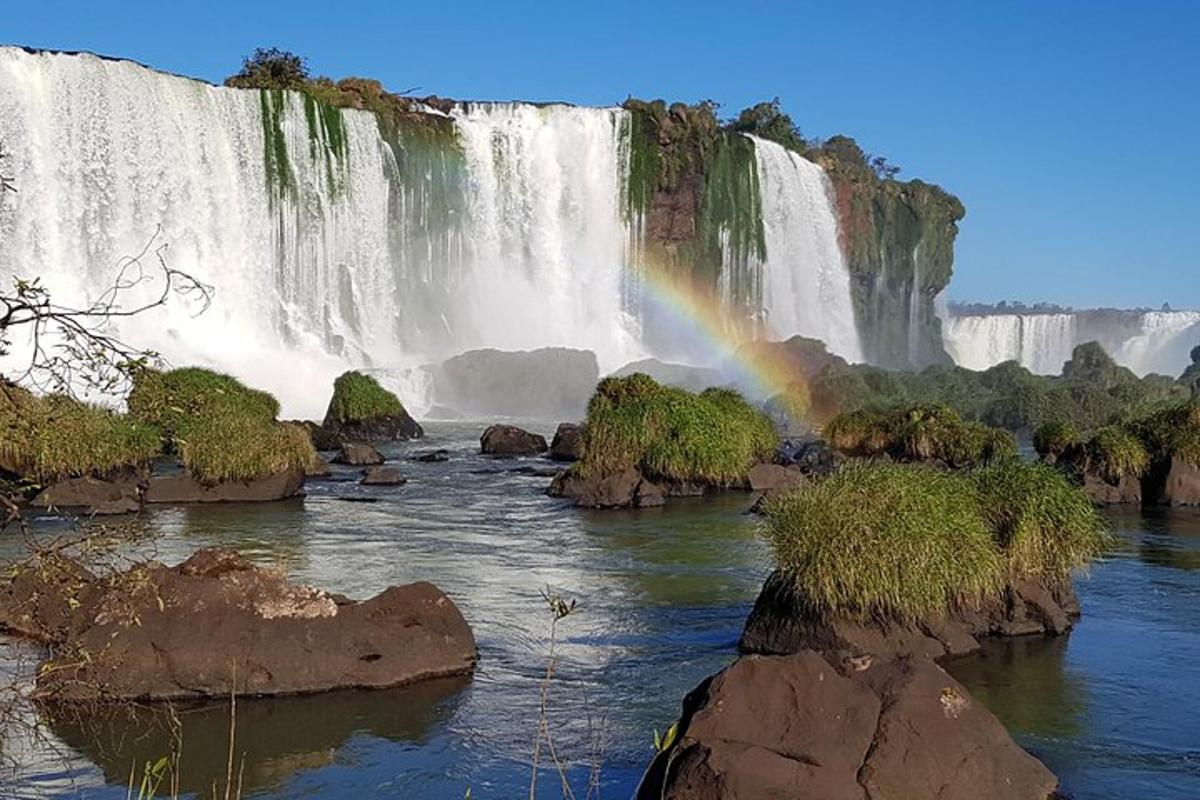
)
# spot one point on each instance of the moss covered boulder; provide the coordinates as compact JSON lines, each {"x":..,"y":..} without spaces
{"x":363,"y":411}
{"x":898,"y":560}
{"x":680,"y":442}
{"x":224,"y":434}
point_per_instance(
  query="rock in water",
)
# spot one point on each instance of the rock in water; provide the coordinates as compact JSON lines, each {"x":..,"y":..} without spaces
{"x":567,"y":443}
{"x":509,"y":440}
{"x":432,"y":456}
{"x":382,"y":476}
{"x":783,"y":621}
{"x":185,"y":488}
{"x":358,"y":455}
{"x":795,"y":727}
{"x":216,"y":623}
{"x":1126,"y":491}
{"x":625,"y":489}
{"x":773,"y":477}
{"x":94,"y":495}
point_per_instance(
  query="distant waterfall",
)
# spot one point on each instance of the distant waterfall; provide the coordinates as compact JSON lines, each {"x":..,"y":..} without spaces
{"x":806,"y":285}
{"x":1152,"y":341}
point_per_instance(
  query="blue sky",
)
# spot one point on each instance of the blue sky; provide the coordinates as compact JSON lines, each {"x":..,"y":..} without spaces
{"x":1070,"y":130}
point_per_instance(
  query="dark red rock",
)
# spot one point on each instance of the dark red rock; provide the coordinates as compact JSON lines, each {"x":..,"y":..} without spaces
{"x":796,"y":727}
{"x":215,"y":623}
{"x":509,"y":440}
{"x":1126,"y":491}
{"x":184,"y":488}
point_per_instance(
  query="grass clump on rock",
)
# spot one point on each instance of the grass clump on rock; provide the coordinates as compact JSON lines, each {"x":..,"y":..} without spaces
{"x":360,"y":398}
{"x":221,"y":429}
{"x":932,"y":433}
{"x":1115,"y":452}
{"x":54,"y":437}
{"x":1172,"y":432}
{"x":905,"y":541}
{"x":713,"y":437}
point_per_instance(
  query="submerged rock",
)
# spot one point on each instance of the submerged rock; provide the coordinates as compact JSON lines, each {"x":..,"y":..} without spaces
{"x":185,"y":488}
{"x":382,"y":476}
{"x":215,"y":624}
{"x":509,"y":440}
{"x":783,"y":621}
{"x":358,"y":455}
{"x":432,"y":456}
{"x":796,"y":727}
{"x":568,"y":442}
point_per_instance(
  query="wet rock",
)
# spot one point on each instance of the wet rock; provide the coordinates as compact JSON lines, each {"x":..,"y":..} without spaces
{"x":567,"y":443}
{"x":797,"y":727}
{"x":509,"y":440}
{"x":358,"y":455}
{"x":37,"y":601}
{"x":625,"y":489}
{"x":773,"y":477}
{"x":1127,"y":490}
{"x":184,"y":488}
{"x":261,"y":635}
{"x":377,"y":429}
{"x":432,"y":456}
{"x":90,"y":495}
{"x":382,"y":476}
{"x":318,"y":469}
{"x":322,"y":438}
{"x":783,"y":621}
{"x":810,"y":456}
{"x":1179,"y":486}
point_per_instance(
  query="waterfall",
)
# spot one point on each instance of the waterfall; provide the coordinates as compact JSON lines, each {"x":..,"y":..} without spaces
{"x":1144,"y":341}
{"x":333,"y":241}
{"x":805,"y":281}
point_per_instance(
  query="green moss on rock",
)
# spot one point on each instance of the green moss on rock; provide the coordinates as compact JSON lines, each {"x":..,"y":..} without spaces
{"x":929,"y":433}
{"x":360,"y":398}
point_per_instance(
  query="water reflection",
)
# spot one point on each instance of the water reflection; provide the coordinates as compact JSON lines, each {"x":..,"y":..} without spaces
{"x":1027,"y":684}
{"x":275,"y":737}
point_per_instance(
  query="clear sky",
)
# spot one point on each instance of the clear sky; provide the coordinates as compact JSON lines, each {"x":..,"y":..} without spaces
{"x":1071,"y":130}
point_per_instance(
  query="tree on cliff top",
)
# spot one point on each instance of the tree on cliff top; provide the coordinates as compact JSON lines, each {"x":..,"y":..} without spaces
{"x":769,"y":121}
{"x":271,"y":68}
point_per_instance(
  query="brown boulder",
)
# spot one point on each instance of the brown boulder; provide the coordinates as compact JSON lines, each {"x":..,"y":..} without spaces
{"x":626,"y":489}
{"x":567,"y":444}
{"x":261,"y":635}
{"x":185,"y":488}
{"x":38,"y":600}
{"x":358,"y":455}
{"x":1181,"y":485}
{"x":783,"y":621}
{"x":795,"y":727}
{"x":1127,"y":490}
{"x":509,"y":440}
{"x":774,"y":477}
{"x":382,"y":476}
{"x":93,"y":495}
{"x":322,"y":438}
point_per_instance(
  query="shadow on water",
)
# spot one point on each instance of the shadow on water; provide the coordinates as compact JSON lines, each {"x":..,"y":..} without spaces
{"x":275,"y":737}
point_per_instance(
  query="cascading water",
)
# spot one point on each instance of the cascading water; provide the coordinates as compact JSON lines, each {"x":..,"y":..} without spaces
{"x":1144,"y":341}
{"x":805,"y":282}
{"x":333,"y":243}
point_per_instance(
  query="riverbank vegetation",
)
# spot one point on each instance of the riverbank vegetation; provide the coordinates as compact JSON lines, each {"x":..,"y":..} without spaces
{"x":928,"y":433}
{"x":907,"y":541}
{"x":713,"y":437}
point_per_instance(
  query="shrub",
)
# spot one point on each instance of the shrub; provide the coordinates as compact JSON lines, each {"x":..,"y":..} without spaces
{"x":359,"y":398}
{"x":1044,"y":526}
{"x":270,"y":68}
{"x":885,"y":539}
{"x":919,"y":433}
{"x":668,"y":433}
{"x":1055,"y":438}
{"x":221,"y":429}
{"x":55,"y":437}
{"x":1171,"y":432}
{"x":904,"y":541}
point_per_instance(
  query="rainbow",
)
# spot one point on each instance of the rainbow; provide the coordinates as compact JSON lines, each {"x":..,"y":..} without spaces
{"x":729,"y":339}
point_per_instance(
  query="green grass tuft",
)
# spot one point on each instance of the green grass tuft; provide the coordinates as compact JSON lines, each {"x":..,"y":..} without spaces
{"x":55,"y":437}
{"x":1116,"y":452}
{"x":1056,"y":438}
{"x":877,"y":539}
{"x":920,"y":433}
{"x":359,"y":398}
{"x":221,"y":429}
{"x":1171,"y":432}
{"x":668,"y":433}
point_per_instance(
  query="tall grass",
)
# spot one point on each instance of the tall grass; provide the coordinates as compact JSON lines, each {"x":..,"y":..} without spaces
{"x":54,"y":437}
{"x":221,"y":429}
{"x":903,"y":541}
{"x":668,"y":433}
{"x":919,"y":433}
